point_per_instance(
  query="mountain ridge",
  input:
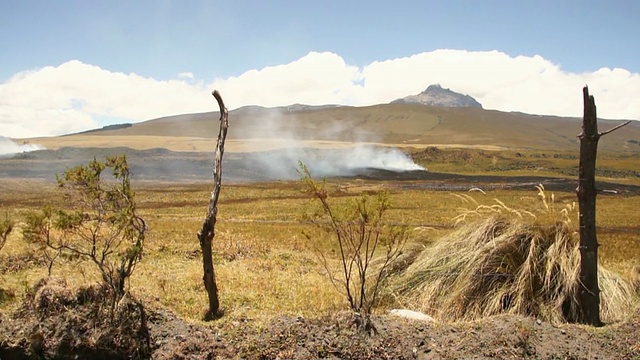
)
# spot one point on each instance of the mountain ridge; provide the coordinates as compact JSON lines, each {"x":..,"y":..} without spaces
{"x":401,"y":124}
{"x":435,"y":95}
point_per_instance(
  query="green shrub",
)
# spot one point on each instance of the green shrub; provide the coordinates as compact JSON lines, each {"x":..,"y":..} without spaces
{"x":97,"y":223}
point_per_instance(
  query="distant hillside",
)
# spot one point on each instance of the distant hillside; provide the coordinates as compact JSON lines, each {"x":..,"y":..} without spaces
{"x":392,"y":123}
{"x":105,"y":128}
{"x":435,"y":95}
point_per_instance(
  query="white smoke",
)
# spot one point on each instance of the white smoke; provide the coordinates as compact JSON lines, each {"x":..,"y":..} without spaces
{"x":354,"y":154}
{"x":385,"y":158}
{"x":354,"y":160}
{"x":8,"y":147}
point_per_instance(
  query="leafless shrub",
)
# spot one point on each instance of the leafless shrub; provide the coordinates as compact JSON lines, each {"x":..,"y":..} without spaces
{"x":366,"y":246}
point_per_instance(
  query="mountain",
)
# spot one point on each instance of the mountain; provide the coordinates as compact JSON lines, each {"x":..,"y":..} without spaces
{"x":435,"y":95}
{"x":394,"y":124}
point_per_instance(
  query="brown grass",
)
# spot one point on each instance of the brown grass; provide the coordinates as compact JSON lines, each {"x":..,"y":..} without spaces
{"x":501,"y":266}
{"x":203,"y":144}
{"x":264,"y":264}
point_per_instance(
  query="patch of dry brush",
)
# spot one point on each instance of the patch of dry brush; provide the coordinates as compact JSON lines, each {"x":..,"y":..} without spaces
{"x":502,"y":265}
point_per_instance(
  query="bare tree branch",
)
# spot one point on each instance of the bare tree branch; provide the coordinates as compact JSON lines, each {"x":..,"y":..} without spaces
{"x":615,"y":128}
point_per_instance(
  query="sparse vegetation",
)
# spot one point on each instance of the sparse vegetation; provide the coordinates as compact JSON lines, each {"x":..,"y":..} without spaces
{"x":269,"y":272}
{"x":261,"y":221}
{"x":6,"y":226}
{"x":363,"y":238}
{"x":97,"y":223}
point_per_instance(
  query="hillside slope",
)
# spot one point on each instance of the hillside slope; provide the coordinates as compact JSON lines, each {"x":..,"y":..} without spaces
{"x":408,"y":124}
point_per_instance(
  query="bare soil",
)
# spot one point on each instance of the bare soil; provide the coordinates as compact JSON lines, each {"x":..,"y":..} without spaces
{"x":56,"y":322}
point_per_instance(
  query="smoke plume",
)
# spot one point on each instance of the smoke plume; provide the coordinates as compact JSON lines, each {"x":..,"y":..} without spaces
{"x":347,"y":158}
{"x":8,"y":146}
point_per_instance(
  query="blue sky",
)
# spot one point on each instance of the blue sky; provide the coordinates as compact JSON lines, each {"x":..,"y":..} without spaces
{"x":355,"y":49}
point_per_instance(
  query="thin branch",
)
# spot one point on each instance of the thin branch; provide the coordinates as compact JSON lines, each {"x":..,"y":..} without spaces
{"x":615,"y":128}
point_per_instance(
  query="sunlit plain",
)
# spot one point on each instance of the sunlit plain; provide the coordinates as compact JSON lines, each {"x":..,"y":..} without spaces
{"x":264,"y":264}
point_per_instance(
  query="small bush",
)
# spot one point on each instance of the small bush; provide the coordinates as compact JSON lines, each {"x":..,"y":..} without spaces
{"x":366,"y":246}
{"x":98,"y":223}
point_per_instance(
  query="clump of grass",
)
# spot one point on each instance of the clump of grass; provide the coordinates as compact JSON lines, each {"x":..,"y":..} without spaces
{"x":549,"y":212}
{"x":618,"y":297}
{"x":504,"y":264}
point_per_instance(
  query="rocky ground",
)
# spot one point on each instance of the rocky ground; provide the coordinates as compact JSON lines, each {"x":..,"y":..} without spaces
{"x":56,"y":322}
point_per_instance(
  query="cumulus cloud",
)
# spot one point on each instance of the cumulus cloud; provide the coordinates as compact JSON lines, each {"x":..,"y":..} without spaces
{"x":315,"y":79}
{"x":75,"y":96}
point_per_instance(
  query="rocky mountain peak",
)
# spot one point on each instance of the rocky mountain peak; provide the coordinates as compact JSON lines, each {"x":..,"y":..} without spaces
{"x":436,"y":95}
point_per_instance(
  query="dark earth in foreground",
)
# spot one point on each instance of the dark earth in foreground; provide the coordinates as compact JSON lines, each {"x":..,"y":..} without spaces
{"x":57,"y":323}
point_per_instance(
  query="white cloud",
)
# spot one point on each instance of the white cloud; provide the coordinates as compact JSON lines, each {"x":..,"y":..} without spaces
{"x":186,"y":75}
{"x":527,"y":84}
{"x":74,"y":96}
{"x":315,"y":79}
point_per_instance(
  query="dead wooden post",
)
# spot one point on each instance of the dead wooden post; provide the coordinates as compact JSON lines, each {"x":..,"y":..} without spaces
{"x":589,"y":292}
{"x":206,"y":234}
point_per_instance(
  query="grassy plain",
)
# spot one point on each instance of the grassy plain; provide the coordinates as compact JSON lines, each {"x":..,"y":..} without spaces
{"x":264,"y":263}
{"x":203,"y":144}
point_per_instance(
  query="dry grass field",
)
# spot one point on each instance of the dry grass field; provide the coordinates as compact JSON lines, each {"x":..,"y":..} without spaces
{"x":200,"y":144}
{"x":265,"y":265}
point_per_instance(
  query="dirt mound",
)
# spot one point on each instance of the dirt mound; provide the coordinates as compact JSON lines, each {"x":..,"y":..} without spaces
{"x":56,"y":321}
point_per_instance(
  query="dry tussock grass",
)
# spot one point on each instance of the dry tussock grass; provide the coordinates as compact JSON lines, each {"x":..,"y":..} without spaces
{"x":502,"y":263}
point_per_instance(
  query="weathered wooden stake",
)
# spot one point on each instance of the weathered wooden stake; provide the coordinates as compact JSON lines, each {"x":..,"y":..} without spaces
{"x":206,"y":234}
{"x":589,"y":292}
